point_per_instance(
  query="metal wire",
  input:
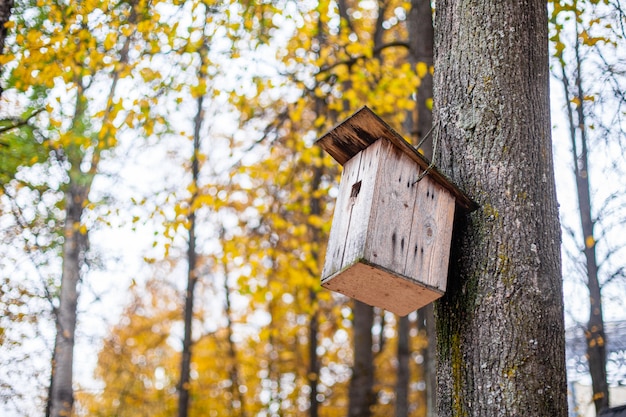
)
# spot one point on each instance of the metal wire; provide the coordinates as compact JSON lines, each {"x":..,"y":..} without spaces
{"x":432,"y":162}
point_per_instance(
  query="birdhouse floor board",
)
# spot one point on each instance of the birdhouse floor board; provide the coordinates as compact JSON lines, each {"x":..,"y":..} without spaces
{"x":381,"y":288}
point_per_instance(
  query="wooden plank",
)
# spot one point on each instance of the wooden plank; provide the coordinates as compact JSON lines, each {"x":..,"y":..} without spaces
{"x":364,"y":128}
{"x":440,"y":256}
{"x":350,"y":222}
{"x":392,"y":211}
{"x":341,"y":219}
{"x":382,"y":288}
{"x":431,"y":234}
{"x":356,"y":239}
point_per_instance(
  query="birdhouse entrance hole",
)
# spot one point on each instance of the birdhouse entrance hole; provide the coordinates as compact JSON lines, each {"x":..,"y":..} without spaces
{"x":389,"y":243}
{"x":355,"y":190}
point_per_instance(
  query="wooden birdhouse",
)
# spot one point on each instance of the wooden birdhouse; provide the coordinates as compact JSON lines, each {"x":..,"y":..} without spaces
{"x":389,"y":242}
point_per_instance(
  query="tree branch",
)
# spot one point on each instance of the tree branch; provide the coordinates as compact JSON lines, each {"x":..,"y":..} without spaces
{"x":17,"y":122}
{"x":353,"y":60}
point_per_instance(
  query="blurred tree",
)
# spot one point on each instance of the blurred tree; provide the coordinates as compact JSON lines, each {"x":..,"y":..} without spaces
{"x":67,"y":64}
{"x":211,"y":23}
{"x":419,"y":124}
{"x":136,"y":359}
{"x":587,"y":41}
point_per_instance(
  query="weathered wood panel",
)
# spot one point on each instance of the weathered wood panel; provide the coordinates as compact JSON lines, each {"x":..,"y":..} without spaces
{"x":352,"y":211}
{"x":391,"y":217}
{"x":429,"y":245}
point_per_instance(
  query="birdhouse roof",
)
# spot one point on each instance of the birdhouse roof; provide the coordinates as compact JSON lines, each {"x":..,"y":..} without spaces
{"x":364,"y":128}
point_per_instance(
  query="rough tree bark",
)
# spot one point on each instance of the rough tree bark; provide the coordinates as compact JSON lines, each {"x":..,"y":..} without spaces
{"x":500,"y":325}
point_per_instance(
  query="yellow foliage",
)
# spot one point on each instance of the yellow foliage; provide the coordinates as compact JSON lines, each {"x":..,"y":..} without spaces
{"x":281,"y":202}
{"x":422,"y":69}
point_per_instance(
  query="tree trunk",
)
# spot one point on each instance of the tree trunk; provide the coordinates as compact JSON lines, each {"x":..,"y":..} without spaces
{"x":500,"y":325}
{"x":5,"y":15}
{"x":361,"y":396}
{"x":404,"y":374}
{"x":232,"y":349}
{"x":315,"y":238}
{"x":185,"y":363}
{"x":313,"y":374}
{"x":361,"y":391}
{"x":426,"y":326}
{"x":420,"y":25}
{"x":595,"y":335}
{"x":61,"y":401}
{"x":192,"y":256}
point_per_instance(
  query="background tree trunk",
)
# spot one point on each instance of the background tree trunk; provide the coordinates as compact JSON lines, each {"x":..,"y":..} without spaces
{"x":234,"y":365}
{"x":314,"y":321}
{"x":420,"y":25}
{"x":5,"y":15}
{"x":426,"y":326}
{"x":421,"y":32}
{"x":192,"y":258}
{"x":594,"y":333}
{"x":362,"y":381}
{"x":500,"y":324}
{"x":361,"y":391}
{"x":61,"y":400}
{"x":404,"y":374}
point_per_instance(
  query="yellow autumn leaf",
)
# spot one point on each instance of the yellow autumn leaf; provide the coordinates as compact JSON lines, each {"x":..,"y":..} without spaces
{"x":421,"y":69}
{"x":110,"y":40}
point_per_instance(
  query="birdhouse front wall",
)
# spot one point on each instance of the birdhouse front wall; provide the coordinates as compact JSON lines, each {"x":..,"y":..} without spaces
{"x":390,"y":238}
{"x":348,"y":233}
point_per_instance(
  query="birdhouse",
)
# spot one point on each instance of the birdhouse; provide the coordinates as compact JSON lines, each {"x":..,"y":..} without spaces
{"x":389,"y":243}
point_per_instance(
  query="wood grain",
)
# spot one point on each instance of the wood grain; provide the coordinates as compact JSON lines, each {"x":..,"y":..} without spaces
{"x":382,"y":288}
{"x":350,"y":221}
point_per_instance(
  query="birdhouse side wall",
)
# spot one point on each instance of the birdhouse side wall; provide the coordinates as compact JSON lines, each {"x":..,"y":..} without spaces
{"x":392,"y":209}
{"x":429,"y":246}
{"x":411,"y":221}
{"x":346,"y":243}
